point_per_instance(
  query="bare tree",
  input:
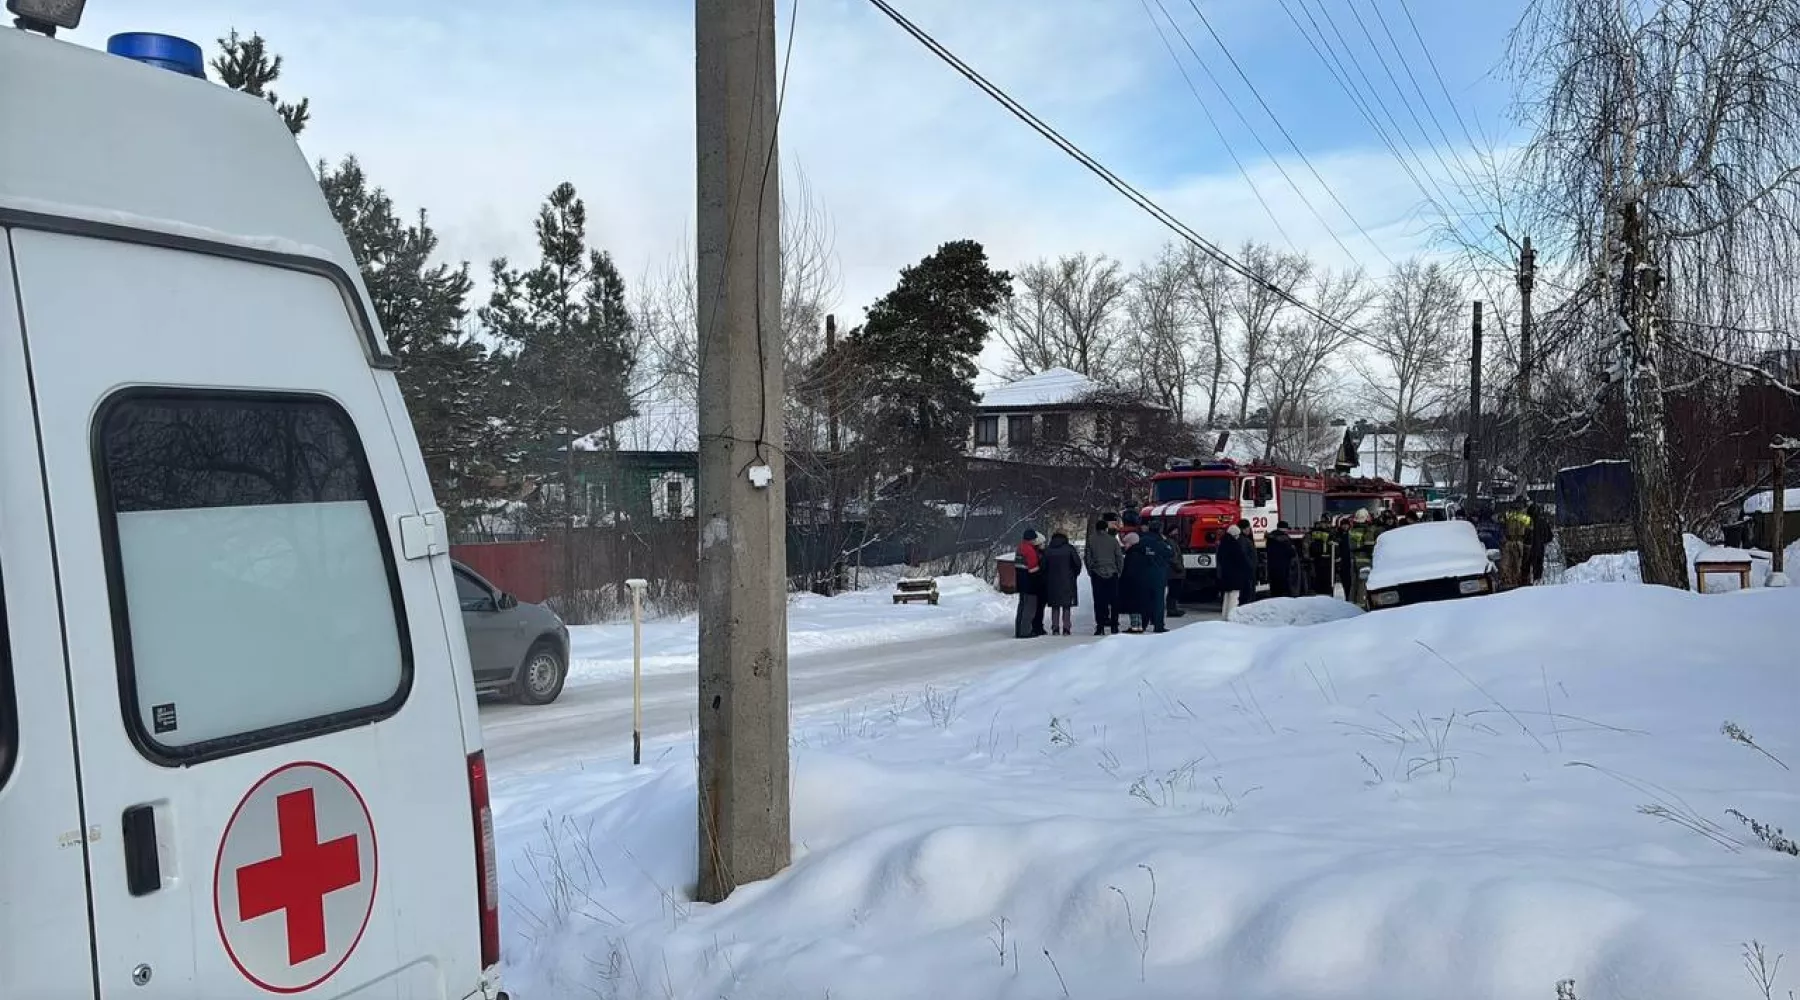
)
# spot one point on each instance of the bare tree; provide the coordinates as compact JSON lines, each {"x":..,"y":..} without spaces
{"x":1209,"y":292}
{"x":810,"y":285}
{"x":1257,"y":305}
{"x":1163,"y":334}
{"x":1299,"y":353}
{"x":1066,"y":314}
{"x":1414,"y":350}
{"x":1666,"y":157}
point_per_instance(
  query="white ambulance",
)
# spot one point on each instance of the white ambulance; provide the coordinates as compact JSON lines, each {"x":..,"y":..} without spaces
{"x":239,"y":752}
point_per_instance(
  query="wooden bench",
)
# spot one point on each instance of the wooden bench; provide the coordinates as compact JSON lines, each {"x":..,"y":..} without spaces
{"x":907,"y":591}
{"x":1705,"y":567}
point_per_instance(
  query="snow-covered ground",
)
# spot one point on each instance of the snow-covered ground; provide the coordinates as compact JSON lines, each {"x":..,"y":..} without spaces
{"x":1470,"y":799}
{"x":852,"y":620}
{"x":1622,"y":567}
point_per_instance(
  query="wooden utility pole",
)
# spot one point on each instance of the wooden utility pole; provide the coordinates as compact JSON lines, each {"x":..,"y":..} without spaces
{"x":834,"y":469}
{"x":1527,"y":278}
{"x":1777,"y":560}
{"x":743,"y":682}
{"x":1472,"y":440}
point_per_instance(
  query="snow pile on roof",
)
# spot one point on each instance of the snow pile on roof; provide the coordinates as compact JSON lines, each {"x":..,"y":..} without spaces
{"x":1425,"y":803}
{"x":1764,"y":503}
{"x":659,"y":425}
{"x":1052,"y":387}
{"x":852,"y":620}
{"x":1429,"y":550}
{"x":1429,"y":458}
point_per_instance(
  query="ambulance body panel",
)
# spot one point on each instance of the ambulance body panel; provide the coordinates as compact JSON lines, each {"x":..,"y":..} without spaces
{"x":239,"y":754}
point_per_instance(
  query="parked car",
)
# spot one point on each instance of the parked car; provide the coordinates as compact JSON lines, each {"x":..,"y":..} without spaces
{"x":518,"y":649}
{"x":1430,"y":561}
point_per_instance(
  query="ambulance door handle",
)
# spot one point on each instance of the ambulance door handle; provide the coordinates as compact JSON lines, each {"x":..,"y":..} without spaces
{"x":143,"y":868}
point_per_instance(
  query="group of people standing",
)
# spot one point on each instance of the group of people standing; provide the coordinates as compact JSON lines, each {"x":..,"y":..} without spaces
{"x":1136,"y":573}
{"x":1134,"y":577}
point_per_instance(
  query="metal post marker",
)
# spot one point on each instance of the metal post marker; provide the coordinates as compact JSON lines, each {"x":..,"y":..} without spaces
{"x":637,"y":669}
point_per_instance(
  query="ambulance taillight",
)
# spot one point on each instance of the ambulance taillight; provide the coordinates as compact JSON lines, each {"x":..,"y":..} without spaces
{"x":487,"y":873}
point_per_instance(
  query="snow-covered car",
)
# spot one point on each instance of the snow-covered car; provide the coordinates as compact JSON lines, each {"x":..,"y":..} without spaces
{"x":1430,"y":561}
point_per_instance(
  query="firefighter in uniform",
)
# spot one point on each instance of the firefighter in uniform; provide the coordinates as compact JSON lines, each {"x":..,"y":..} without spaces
{"x":1318,"y":554}
{"x":1515,"y":524}
{"x":1362,"y":546}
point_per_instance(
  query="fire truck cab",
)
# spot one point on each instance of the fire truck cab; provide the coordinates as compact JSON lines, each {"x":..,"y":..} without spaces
{"x":1345,"y":495}
{"x":1195,"y":502}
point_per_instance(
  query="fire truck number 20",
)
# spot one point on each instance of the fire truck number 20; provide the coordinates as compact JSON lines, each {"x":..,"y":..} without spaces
{"x":1259,"y":523}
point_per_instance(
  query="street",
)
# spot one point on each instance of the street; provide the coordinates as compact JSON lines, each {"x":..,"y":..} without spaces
{"x":595,"y":719}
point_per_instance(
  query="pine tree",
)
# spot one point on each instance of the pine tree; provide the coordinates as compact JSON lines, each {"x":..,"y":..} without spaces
{"x":913,"y":359}
{"x":445,"y":374}
{"x":246,"y":64}
{"x":568,"y":329}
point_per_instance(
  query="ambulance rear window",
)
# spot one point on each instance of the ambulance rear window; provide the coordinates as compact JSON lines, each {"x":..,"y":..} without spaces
{"x":254,"y":594}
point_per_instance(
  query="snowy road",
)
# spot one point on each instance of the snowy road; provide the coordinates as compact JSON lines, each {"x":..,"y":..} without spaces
{"x":595,"y":719}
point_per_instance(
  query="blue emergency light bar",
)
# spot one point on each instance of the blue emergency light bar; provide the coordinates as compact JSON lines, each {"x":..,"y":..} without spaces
{"x":165,"y":51}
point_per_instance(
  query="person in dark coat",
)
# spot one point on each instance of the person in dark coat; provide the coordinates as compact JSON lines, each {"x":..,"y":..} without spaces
{"x":1247,"y":538}
{"x":1062,"y":568}
{"x":1177,"y":573}
{"x":1028,"y":576}
{"x":1105,"y":560}
{"x":1233,"y":568}
{"x":1538,"y":542}
{"x":1146,"y":580}
{"x":1284,"y":570}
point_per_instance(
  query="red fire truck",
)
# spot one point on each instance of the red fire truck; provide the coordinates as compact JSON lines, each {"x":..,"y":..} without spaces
{"x":1345,"y":495}
{"x":1196,"y":502}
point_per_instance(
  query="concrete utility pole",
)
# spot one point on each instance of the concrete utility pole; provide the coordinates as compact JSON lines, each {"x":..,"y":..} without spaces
{"x":1471,"y":442}
{"x":743,"y":705}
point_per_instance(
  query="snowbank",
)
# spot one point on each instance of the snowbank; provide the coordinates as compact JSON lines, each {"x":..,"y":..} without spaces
{"x":1622,"y":567}
{"x":1276,"y":611}
{"x":851,"y":620}
{"x":1470,"y":799}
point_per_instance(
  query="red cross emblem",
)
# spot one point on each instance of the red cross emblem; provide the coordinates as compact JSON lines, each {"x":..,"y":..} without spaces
{"x":294,"y":883}
{"x":298,"y":879}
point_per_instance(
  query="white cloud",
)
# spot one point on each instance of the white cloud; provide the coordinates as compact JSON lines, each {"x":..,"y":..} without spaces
{"x":475,"y":111}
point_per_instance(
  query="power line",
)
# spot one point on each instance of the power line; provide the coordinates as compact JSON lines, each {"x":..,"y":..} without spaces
{"x":1406,"y":64}
{"x":1432,"y":62}
{"x":1113,"y":180}
{"x":1405,"y":102}
{"x":1212,"y":121}
{"x":1273,"y":159}
{"x":1340,"y":72}
{"x":1284,"y":134}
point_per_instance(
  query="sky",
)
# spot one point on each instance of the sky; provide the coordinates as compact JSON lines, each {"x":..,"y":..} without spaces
{"x":475,"y":111}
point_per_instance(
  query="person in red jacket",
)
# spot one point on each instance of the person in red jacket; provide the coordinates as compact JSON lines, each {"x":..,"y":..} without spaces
{"x":1028,"y":577}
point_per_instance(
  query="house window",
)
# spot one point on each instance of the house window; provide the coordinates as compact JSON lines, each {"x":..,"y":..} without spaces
{"x":672,"y":496}
{"x":1018,"y":432}
{"x":987,"y":432}
{"x":1056,"y":428}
